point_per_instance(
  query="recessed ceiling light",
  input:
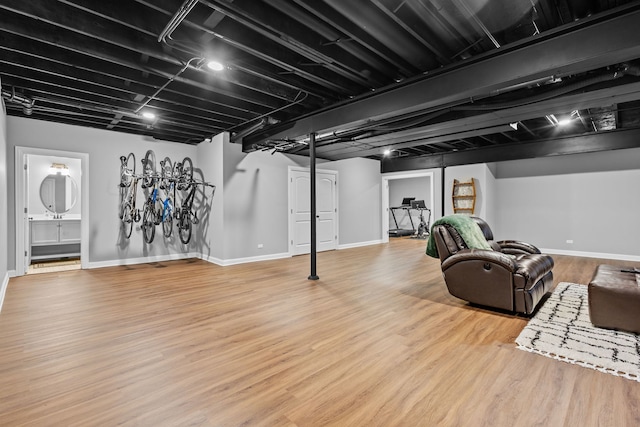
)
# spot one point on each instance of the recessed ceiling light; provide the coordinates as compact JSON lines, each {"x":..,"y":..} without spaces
{"x":215,"y":65}
{"x":387,"y":152}
{"x":148,"y":115}
{"x":564,"y":122}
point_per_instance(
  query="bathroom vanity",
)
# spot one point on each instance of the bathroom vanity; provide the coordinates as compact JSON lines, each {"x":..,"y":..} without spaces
{"x":56,"y":234}
{"x":54,"y":238}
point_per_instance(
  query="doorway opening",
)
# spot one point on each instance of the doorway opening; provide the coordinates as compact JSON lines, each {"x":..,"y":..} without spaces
{"x":51,"y":210}
{"x":400,"y":185}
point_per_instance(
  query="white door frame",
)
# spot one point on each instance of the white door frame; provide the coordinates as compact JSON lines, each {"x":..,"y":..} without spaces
{"x":386,"y":177}
{"x":290,"y":202}
{"x":20,"y":203}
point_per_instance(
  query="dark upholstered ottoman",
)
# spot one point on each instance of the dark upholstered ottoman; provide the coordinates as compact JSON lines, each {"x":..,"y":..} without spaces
{"x":614,"y":299}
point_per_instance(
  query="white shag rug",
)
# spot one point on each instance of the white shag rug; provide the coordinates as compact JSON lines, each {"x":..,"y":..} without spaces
{"x":561,"y":329}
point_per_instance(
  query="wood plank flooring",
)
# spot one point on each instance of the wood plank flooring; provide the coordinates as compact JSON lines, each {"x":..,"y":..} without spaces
{"x":377,"y":341}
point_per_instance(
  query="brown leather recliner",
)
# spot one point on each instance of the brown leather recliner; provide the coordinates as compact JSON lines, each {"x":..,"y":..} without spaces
{"x":514,"y":276}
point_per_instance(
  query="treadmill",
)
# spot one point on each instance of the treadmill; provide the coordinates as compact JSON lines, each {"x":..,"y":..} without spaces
{"x":406,"y":206}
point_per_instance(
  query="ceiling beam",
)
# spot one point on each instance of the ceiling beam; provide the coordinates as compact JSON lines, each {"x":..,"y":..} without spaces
{"x":483,"y":124}
{"x":612,"y":36}
{"x":342,"y":152}
{"x":589,"y":143}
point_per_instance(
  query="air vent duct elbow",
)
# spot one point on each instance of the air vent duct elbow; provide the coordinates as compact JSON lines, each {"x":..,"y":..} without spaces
{"x":17,"y":98}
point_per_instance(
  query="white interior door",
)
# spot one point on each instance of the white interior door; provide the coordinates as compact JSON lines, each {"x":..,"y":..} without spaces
{"x":300,"y":211}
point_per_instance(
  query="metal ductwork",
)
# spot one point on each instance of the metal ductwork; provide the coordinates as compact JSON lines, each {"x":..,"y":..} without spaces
{"x":25,"y":101}
{"x":253,"y":128}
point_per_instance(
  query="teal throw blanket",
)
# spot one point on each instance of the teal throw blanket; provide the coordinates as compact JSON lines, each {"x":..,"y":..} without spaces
{"x":466,"y":227}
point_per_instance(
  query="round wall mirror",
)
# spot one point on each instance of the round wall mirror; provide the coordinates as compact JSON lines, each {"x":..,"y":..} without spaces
{"x":58,"y":193}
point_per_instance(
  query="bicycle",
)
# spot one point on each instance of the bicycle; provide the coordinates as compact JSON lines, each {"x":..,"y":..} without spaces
{"x":183,"y":175}
{"x":128,"y":188}
{"x":149,"y":216}
{"x":185,"y":215}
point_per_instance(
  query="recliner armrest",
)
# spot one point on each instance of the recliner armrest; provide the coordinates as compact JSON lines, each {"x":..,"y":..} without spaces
{"x":515,"y":247}
{"x":531,"y":268}
{"x":503,"y":260}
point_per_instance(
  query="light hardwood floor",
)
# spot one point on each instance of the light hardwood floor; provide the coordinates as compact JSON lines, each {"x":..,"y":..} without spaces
{"x":377,"y":341}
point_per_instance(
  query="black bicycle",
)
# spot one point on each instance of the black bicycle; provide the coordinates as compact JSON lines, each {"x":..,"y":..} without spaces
{"x":150,"y":216}
{"x":185,"y":215}
{"x":128,"y":188}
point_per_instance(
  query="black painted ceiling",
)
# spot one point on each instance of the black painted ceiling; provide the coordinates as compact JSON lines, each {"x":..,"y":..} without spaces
{"x":103,"y":63}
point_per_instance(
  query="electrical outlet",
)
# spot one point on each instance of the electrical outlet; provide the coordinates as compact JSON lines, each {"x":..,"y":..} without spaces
{"x":570,"y":241}
{"x":260,"y":245}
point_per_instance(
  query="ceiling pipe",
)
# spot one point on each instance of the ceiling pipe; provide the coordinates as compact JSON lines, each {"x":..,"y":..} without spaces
{"x":161,"y":88}
{"x":462,"y":4}
{"x":25,"y":101}
{"x":177,"y":19}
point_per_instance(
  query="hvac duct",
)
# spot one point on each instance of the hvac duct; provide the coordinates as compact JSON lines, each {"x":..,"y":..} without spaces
{"x":17,"y":98}
{"x":254,"y":127}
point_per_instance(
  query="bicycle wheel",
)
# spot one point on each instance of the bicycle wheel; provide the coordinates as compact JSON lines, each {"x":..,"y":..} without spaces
{"x":166,"y":173}
{"x":127,"y":169}
{"x":127,"y":220}
{"x":148,"y":224}
{"x":148,"y":169}
{"x":186,"y":175}
{"x":184,"y":228}
{"x":167,"y":225}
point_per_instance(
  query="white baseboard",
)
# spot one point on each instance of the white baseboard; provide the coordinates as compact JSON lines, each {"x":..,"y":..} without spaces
{"x":12,"y":273}
{"x":142,"y":260}
{"x":360,"y":244}
{"x":227,"y":262}
{"x":211,"y":259}
{"x":620,"y":257}
{"x":3,"y":288}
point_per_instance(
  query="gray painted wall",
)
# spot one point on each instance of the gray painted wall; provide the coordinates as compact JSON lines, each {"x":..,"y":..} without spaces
{"x":104,"y":149}
{"x":256,"y":202}
{"x":483,"y":183}
{"x":4,"y":199}
{"x":359,"y":202}
{"x":419,"y":187}
{"x":248,"y":208}
{"x":209,"y":241}
{"x":592,"y":199}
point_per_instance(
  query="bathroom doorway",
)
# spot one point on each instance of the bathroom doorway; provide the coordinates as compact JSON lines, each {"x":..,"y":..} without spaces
{"x":51,"y":210}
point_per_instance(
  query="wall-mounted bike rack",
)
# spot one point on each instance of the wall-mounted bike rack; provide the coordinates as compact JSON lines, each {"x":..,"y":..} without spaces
{"x":162,"y":186}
